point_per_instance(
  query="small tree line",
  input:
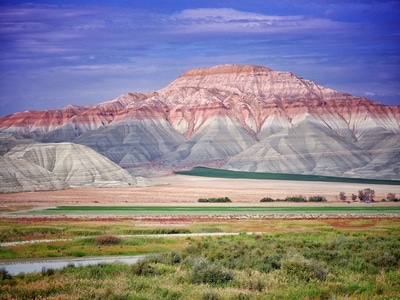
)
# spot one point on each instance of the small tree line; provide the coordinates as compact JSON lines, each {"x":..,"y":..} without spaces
{"x":215,"y":200}
{"x":366,"y":195}
{"x":317,"y":198}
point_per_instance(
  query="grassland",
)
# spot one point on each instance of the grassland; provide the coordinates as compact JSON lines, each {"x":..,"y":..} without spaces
{"x":330,"y":258}
{"x":214,"y":210}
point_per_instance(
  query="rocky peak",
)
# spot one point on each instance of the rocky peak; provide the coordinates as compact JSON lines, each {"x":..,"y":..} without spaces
{"x":269,"y":120}
{"x":254,"y":80}
{"x":226,"y":69}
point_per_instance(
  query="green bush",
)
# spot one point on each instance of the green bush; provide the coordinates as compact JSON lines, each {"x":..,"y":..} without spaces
{"x":295,"y":199}
{"x":317,"y":199}
{"x":304,"y":269}
{"x":143,"y":268}
{"x":47,"y":271}
{"x":272,"y":262}
{"x":204,"y":271}
{"x":168,"y":258}
{"x":267,"y":199}
{"x":385,"y":260}
{"x":210,"y":295}
{"x":4,"y":274}
{"x":215,"y":200}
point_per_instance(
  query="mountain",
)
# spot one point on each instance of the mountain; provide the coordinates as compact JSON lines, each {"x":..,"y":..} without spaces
{"x":238,"y":117}
{"x":17,"y":175}
{"x":50,"y":166}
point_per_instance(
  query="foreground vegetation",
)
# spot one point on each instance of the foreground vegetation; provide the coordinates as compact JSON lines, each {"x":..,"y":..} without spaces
{"x":283,"y":259}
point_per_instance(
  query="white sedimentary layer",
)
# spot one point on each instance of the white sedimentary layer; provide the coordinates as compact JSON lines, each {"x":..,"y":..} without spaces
{"x":71,"y":164}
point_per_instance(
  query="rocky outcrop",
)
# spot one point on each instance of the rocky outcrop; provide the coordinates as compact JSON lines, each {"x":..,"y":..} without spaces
{"x":66,"y":124}
{"x":238,"y":117}
{"x":31,"y":167}
{"x":17,"y":175}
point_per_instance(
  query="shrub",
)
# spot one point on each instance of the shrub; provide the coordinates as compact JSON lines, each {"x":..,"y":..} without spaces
{"x":215,"y":200}
{"x":143,"y":268}
{"x":342,"y":196}
{"x":272,"y":262}
{"x":304,"y":269}
{"x":267,"y":199}
{"x":104,"y":240}
{"x":385,"y":261}
{"x":204,"y":271}
{"x":47,"y":271}
{"x":4,"y":274}
{"x":77,"y":253}
{"x":295,"y":199}
{"x":168,"y":258}
{"x":317,"y":199}
{"x":255,"y":283}
{"x":361,"y":265}
{"x":391,"y":197}
{"x":210,"y":295}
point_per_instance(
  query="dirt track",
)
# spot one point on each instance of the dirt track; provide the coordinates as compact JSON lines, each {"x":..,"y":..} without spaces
{"x":186,"y":190}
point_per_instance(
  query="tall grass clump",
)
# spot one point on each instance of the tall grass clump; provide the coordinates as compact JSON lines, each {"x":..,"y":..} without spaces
{"x":105,"y":240}
{"x":205,"y":271}
{"x":304,"y":269}
{"x":144,"y":268}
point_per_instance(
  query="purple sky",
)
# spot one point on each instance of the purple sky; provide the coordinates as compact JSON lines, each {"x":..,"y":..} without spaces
{"x":53,"y":53}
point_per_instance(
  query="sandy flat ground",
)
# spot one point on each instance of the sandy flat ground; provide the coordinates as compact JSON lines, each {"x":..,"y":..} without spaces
{"x":186,"y":190}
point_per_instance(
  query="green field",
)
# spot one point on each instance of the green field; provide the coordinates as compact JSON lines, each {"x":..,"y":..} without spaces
{"x":219,"y":173}
{"x":215,"y":210}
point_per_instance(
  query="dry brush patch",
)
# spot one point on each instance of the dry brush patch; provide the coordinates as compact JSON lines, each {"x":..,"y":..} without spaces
{"x":316,"y":261}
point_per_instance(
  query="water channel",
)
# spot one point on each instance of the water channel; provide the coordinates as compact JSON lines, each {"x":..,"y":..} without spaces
{"x":18,"y":267}
{"x":31,"y":266}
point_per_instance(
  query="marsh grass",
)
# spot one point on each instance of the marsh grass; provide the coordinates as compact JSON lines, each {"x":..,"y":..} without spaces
{"x":286,"y":259}
{"x":274,"y":266}
{"x":89,"y":246}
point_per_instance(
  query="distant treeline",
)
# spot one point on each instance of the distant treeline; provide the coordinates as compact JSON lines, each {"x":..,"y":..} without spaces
{"x":219,"y":173}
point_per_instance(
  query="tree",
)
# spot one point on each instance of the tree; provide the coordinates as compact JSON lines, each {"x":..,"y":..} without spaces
{"x":342,"y":196}
{"x":391,"y":197}
{"x":366,"y":195}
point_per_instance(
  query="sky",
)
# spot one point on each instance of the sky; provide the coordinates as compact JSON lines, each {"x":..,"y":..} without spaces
{"x":55,"y":53}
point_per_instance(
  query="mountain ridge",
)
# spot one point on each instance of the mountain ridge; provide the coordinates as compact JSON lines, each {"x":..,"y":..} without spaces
{"x":227,"y":116}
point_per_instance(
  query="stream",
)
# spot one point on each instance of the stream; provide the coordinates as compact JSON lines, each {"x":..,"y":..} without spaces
{"x":15,"y":267}
{"x":33,"y":266}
